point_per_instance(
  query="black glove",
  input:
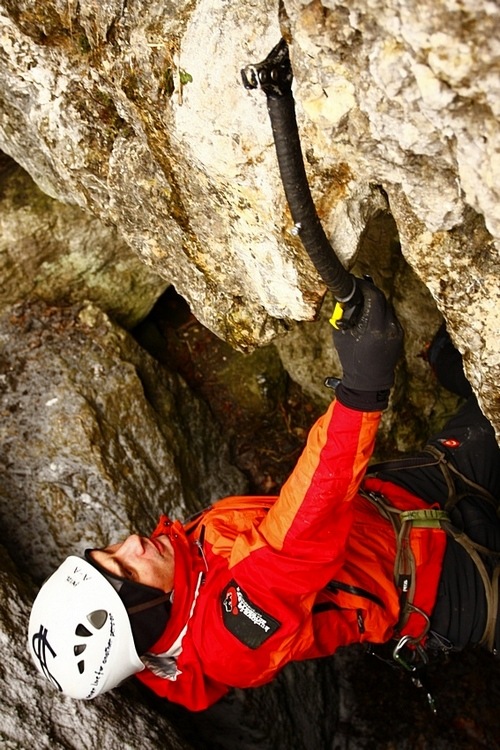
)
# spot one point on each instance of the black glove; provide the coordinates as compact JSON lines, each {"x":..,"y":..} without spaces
{"x":369,"y":352}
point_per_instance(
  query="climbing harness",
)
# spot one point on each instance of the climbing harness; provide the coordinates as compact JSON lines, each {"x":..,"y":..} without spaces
{"x":408,"y":649}
{"x":405,"y":573}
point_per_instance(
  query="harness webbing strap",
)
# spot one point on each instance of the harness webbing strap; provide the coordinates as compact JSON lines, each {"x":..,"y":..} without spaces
{"x":447,"y":469}
{"x":405,"y":566}
{"x":490,"y":582}
{"x":438,"y":458}
{"x":451,"y":474}
{"x":424,"y":518}
{"x":404,"y":563}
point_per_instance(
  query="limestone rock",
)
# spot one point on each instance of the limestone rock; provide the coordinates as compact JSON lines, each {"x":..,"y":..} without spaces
{"x":118,"y":132}
{"x":96,"y":438}
{"x":137,"y":114}
{"x":416,"y":112}
{"x":56,"y":252}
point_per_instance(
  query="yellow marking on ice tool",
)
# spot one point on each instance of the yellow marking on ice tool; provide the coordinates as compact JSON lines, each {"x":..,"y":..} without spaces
{"x":337,"y":314}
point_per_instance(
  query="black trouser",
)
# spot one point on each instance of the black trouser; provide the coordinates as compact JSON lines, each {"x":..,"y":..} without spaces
{"x":468,"y":441}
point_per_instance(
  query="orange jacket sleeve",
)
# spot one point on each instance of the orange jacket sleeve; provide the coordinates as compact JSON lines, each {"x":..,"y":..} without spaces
{"x":311,"y":519}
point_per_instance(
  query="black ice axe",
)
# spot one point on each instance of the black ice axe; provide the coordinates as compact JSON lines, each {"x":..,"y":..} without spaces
{"x":274,"y":76}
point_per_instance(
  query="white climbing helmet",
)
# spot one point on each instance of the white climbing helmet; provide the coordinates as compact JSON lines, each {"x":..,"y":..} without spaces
{"x":79,"y":633}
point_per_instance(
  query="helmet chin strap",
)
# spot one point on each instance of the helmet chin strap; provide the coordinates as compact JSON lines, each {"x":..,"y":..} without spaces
{"x":148,"y":605}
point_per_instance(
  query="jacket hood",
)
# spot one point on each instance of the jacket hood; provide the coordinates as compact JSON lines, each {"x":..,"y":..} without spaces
{"x":189,"y":565}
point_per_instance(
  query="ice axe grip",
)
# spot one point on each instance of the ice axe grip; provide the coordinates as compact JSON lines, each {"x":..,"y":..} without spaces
{"x":274,"y":76}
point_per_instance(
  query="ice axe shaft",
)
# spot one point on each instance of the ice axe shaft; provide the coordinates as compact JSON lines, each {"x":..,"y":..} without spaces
{"x":274,"y":76}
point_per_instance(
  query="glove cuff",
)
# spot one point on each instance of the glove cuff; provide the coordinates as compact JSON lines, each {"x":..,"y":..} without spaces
{"x":362,"y":400}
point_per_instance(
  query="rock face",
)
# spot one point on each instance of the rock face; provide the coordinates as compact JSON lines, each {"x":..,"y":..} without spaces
{"x":96,"y":438}
{"x":155,"y":167}
{"x":120,"y":85}
{"x":405,"y":94}
{"x":137,"y":114}
{"x":56,"y":252}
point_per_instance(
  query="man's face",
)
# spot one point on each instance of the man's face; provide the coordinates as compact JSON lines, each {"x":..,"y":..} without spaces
{"x":147,"y":561}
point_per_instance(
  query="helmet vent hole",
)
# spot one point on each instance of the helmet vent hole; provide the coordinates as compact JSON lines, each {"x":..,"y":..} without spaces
{"x":98,"y":618}
{"x":82,"y":631}
{"x":81,"y":666}
{"x":79,"y":649}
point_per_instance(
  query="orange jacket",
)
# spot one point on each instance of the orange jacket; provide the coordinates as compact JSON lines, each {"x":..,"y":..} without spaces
{"x":251,"y":574}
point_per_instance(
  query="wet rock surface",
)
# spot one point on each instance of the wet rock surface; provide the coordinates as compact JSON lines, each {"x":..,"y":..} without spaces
{"x":97,"y":438}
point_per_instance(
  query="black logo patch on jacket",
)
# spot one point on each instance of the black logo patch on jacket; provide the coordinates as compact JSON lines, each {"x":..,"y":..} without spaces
{"x":250,"y":624}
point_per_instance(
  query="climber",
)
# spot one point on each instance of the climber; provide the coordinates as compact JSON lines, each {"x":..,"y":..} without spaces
{"x":345,"y":554}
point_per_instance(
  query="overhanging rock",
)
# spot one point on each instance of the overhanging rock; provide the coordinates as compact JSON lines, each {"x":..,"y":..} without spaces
{"x":137,"y":114}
